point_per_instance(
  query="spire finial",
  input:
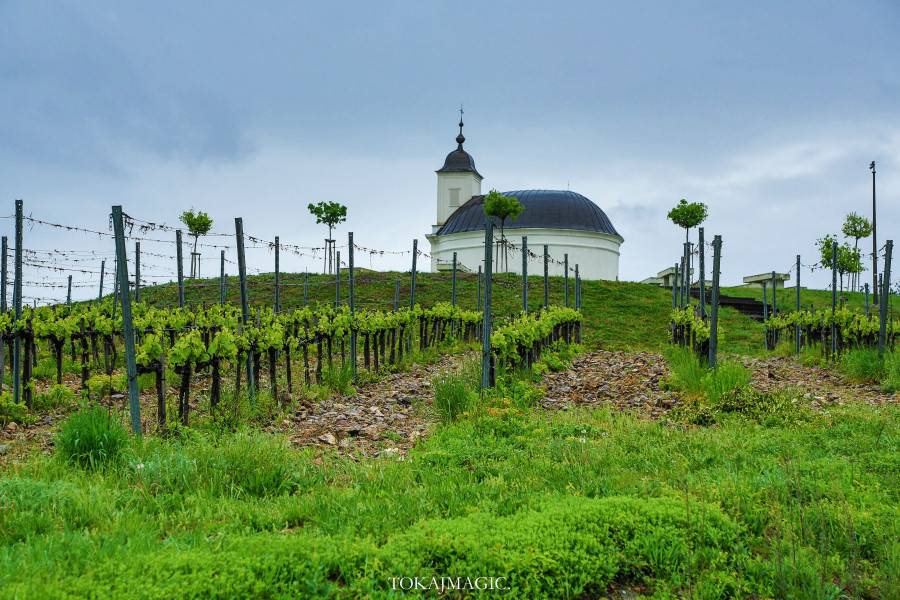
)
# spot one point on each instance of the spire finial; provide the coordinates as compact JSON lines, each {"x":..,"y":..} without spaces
{"x":460,"y":138}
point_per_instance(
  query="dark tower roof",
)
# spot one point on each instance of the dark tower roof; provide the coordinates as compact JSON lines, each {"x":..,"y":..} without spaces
{"x":459,"y":161}
{"x":551,"y":209}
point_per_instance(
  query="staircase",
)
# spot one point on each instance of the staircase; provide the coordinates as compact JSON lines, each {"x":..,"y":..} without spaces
{"x":748,"y":306}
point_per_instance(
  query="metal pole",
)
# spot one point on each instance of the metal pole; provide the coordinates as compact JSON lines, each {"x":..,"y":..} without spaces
{"x":17,"y":306}
{"x":546,"y":276}
{"x":102,"y":273}
{"x":277,"y":276}
{"x":453,"y":282}
{"x":412,"y":287}
{"x":797,"y":326}
{"x":675,"y":287}
{"x":68,"y":298}
{"x":115,"y":287}
{"x":337,"y":280}
{"x":834,"y":272}
{"x":486,"y":323}
{"x":702,"y":250}
{"x":566,"y":263}
{"x":866,"y":288}
{"x":577,"y":289}
{"x":3,"y":253}
{"x":137,"y":272}
{"x":352,"y":307}
{"x":774,"y":295}
{"x":885,"y":296}
{"x":480,"y":277}
{"x":874,"y":238}
{"x":128,"y":329}
{"x":222,"y":277}
{"x":245,"y":299}
{"x":714,"y":303}
{"x":525,"y":273}
{"x":180,"y":265}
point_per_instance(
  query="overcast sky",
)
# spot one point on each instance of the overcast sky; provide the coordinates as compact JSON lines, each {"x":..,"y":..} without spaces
{"x":769,"y":112}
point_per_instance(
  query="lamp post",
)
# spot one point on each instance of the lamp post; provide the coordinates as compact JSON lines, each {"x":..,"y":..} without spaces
{"x":874,"y":237}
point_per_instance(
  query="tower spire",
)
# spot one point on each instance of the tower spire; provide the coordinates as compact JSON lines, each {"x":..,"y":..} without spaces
{"x":460,"y":138}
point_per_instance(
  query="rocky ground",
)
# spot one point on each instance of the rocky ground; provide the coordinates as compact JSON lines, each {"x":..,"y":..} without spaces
{"x":631,"y":381}
{"x":384,"y":418}
{"x":822,"y":387}
{"x":624,"y":380}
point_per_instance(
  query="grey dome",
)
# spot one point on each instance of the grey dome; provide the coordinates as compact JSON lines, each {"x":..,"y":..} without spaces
{"x":544,"y":209}
{"x":459,"y":161}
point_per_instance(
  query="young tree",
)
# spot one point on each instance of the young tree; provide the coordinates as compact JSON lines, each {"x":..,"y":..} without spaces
{"x":502,"y":207}
{"x":849,"y":260}
{"x":857,"y":228}
{"x":198,"y":223}
{"x":688,"y":215}
{"x":331,"y":214}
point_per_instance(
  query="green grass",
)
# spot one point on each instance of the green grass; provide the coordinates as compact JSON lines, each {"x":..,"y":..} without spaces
{"x":787,"y":297}
{"x":561,"y":505}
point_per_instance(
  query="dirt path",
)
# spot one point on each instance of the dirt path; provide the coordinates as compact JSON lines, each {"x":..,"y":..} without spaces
{"x":631,"y":381}
{"x":384,"y":418}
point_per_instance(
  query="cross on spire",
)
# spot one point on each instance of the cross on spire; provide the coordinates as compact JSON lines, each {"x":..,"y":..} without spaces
{"x":460,"y":138}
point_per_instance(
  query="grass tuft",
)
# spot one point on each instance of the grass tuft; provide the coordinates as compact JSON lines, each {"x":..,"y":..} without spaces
{"x":91,"y":438}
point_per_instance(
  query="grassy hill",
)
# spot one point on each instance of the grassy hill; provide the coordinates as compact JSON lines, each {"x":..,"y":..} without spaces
{"x":619,"y":315}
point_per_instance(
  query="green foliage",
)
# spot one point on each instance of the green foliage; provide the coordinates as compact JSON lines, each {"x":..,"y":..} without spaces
{"x":102,"y":385}
{"x":688,"y":215}
{"x":856,"y":227}
{"x":198,"y":222}
{"x":502,"y":207}
{"x":865,"y":365}
{"x":56,"y":397}
{"x":783,"y":407}
{"x":849,"y":259}
{"x":891,"y":381}
{"x":339,"y":379}
{"x":10,"y":411}
{"x":91,"y":438}
{"x":862,"y":365}
{"x":561,"y":504}
{"x":455,"y":393}
{"x":690,"y":376}
{"x":329,"y":213}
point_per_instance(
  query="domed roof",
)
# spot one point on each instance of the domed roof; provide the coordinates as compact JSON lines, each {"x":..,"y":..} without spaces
{"x":544,"y":209}
{"x":459,"y":161}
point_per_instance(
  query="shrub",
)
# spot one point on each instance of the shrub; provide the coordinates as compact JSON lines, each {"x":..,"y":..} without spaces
{"x":91,"y":438}
{"x":575,"y":547}
{"x":10,"y":411}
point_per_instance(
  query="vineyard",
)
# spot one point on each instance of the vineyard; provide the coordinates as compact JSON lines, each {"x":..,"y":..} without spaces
{"x":316,"y":435}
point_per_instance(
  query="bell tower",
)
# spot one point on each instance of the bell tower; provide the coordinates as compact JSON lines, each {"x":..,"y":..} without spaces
{"x":457,"y":180}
